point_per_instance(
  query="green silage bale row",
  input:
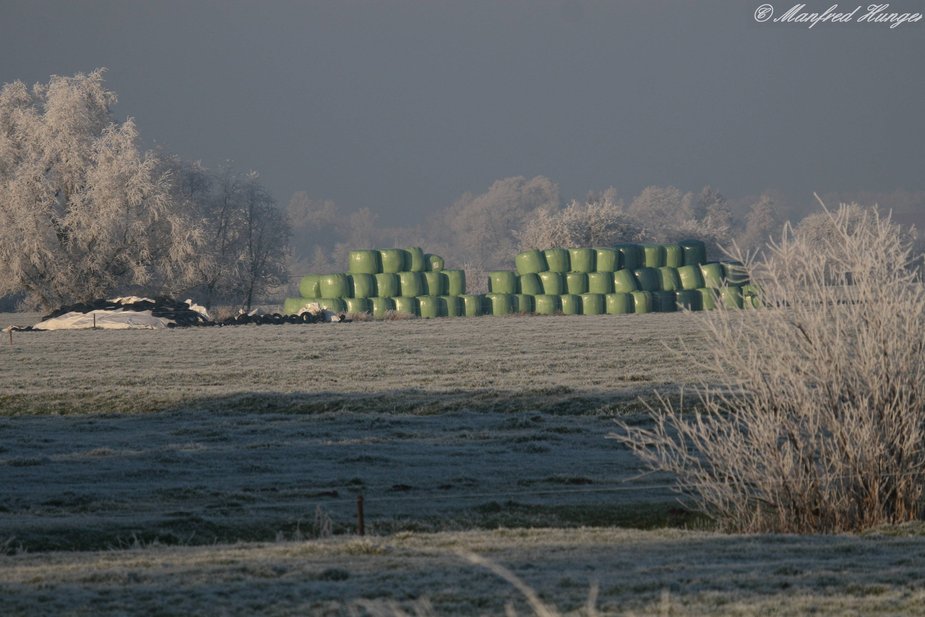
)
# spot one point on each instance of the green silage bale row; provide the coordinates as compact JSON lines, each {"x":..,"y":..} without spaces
{"x":669,"y":279}
{"x":557,"y":260}
{"x":576,"y":283}
{"x":581,"y":259}
{"x":619,"y":303}
{"x":502,"y":282}
{"x":532,"y":261}
{"x":530,"y":284}
{"x":433,"y":263}
{"x":632,"y":256}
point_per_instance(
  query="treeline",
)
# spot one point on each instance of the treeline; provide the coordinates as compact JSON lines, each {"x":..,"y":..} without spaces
{"x":483,"y":232}
{"x":85,"y":213}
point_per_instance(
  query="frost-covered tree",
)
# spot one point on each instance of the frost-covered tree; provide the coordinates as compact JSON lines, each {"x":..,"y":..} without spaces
{"x":761,"y":222}
{"x":83,"y":212}
{"x":713,"y":210}
{"x":484,"y":227}
{"x":599,"y":221}
{"x":657,"y":207}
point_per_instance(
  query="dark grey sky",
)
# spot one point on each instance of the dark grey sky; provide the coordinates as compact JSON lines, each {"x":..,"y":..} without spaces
{"x":402,"y":106}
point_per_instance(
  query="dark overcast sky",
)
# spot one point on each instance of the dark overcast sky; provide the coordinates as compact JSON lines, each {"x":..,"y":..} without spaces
{"x":403,"y":106}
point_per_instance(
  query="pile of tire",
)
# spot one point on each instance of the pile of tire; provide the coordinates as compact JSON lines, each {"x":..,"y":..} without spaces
{"x":622,"y":279}
{"x":382,"y":282}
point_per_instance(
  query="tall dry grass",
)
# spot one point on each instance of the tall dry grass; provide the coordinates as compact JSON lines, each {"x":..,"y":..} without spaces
{"x":817,"y":424}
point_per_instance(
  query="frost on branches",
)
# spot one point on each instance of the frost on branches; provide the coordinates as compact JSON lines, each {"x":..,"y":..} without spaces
{"x":82,"y":211}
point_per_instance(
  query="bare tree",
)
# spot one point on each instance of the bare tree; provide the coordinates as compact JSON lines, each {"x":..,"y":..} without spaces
{"x":816,"y":419}
{"x":83,"y":212}
{"x":245,"y":236}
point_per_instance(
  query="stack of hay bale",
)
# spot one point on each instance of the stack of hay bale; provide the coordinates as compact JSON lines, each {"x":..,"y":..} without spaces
{"x":398,"y":280}
{"x":624,"y":278}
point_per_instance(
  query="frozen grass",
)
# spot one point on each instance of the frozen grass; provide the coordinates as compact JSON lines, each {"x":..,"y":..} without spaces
{"x":560,"y":364}
{"x":665,"y":572}
{"x":133,"y":440}
{"x":232,"y":434}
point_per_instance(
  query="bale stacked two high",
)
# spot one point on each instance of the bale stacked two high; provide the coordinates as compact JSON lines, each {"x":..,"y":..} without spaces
{"x":382,"y":280}
{"x":625,"y":278}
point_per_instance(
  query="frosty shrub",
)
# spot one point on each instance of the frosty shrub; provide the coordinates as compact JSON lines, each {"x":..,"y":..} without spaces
{"x":817,"y":421}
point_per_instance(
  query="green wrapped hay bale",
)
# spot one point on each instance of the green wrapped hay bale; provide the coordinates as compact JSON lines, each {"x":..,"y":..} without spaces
{"x":335,"y":305}
{"x":546,"y":304}
{"x":498,"y":304}
{"x":451,"y":306}
{"x":624,"y":281}
{"x":388,"y":285}
{"x":334,"y":286}
{"x":688,"y":299}
{"x":653,"y":255}
{"x":429,"y":306}
{"x":530,"y":262}
{"x":455,"y":281}
{"x":631,"y":255}
{"x":472,"y":304}
{"x":310,"y":286}
{"x":664,"y":302}
{"x":530,"y":284}
{"x":670,"y":279}
{"x":433,"y":263}
{"x":553,"y":283}
{"x":731,"y":297}
{"x":648,"y":279}
{"x":411,"y":284}
{"x":674,"y":256}
{"x":358,"y":305}
{"x":435,"y":284}
{"x":363,"y":285}
{"x":592,"y":304}
{"x":619,"y":303}
{"x":406,"y":305}
{"x":381,"y":305}
{"x":523,"y":303}
{"x":292,"y":306}
{"x":571,"y":304}
{"x":708,"y":298}
{"x":502,"y":282}
{"x":581,"y":259}
{"x":691,"y":277}
{"x":695,"y":252}
{"x":576,"y":283}
{"x":600,"y":282}
{"x":712,"y":275}
{"x":734,"y":273}
{"x":392,"y":260}
{"x":364,"y":261}
{"x":557,"y":260}
{"x":415,"y":259}
{"x":606,"y":260}
{"x":751,"y":296}
{"x":642,"y":301}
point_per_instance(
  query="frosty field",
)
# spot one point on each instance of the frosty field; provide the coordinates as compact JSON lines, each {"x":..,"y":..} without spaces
{"x":244,"y":445}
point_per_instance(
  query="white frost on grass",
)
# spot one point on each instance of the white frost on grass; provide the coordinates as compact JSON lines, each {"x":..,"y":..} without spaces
{"x":669,"y":572}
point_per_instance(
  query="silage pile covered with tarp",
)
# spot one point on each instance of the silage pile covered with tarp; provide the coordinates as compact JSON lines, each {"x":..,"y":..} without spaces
{"x":381,"y":282}
{"x":125,"y":313}
{"x":624,"y":278}
{"x":135,"y":313}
